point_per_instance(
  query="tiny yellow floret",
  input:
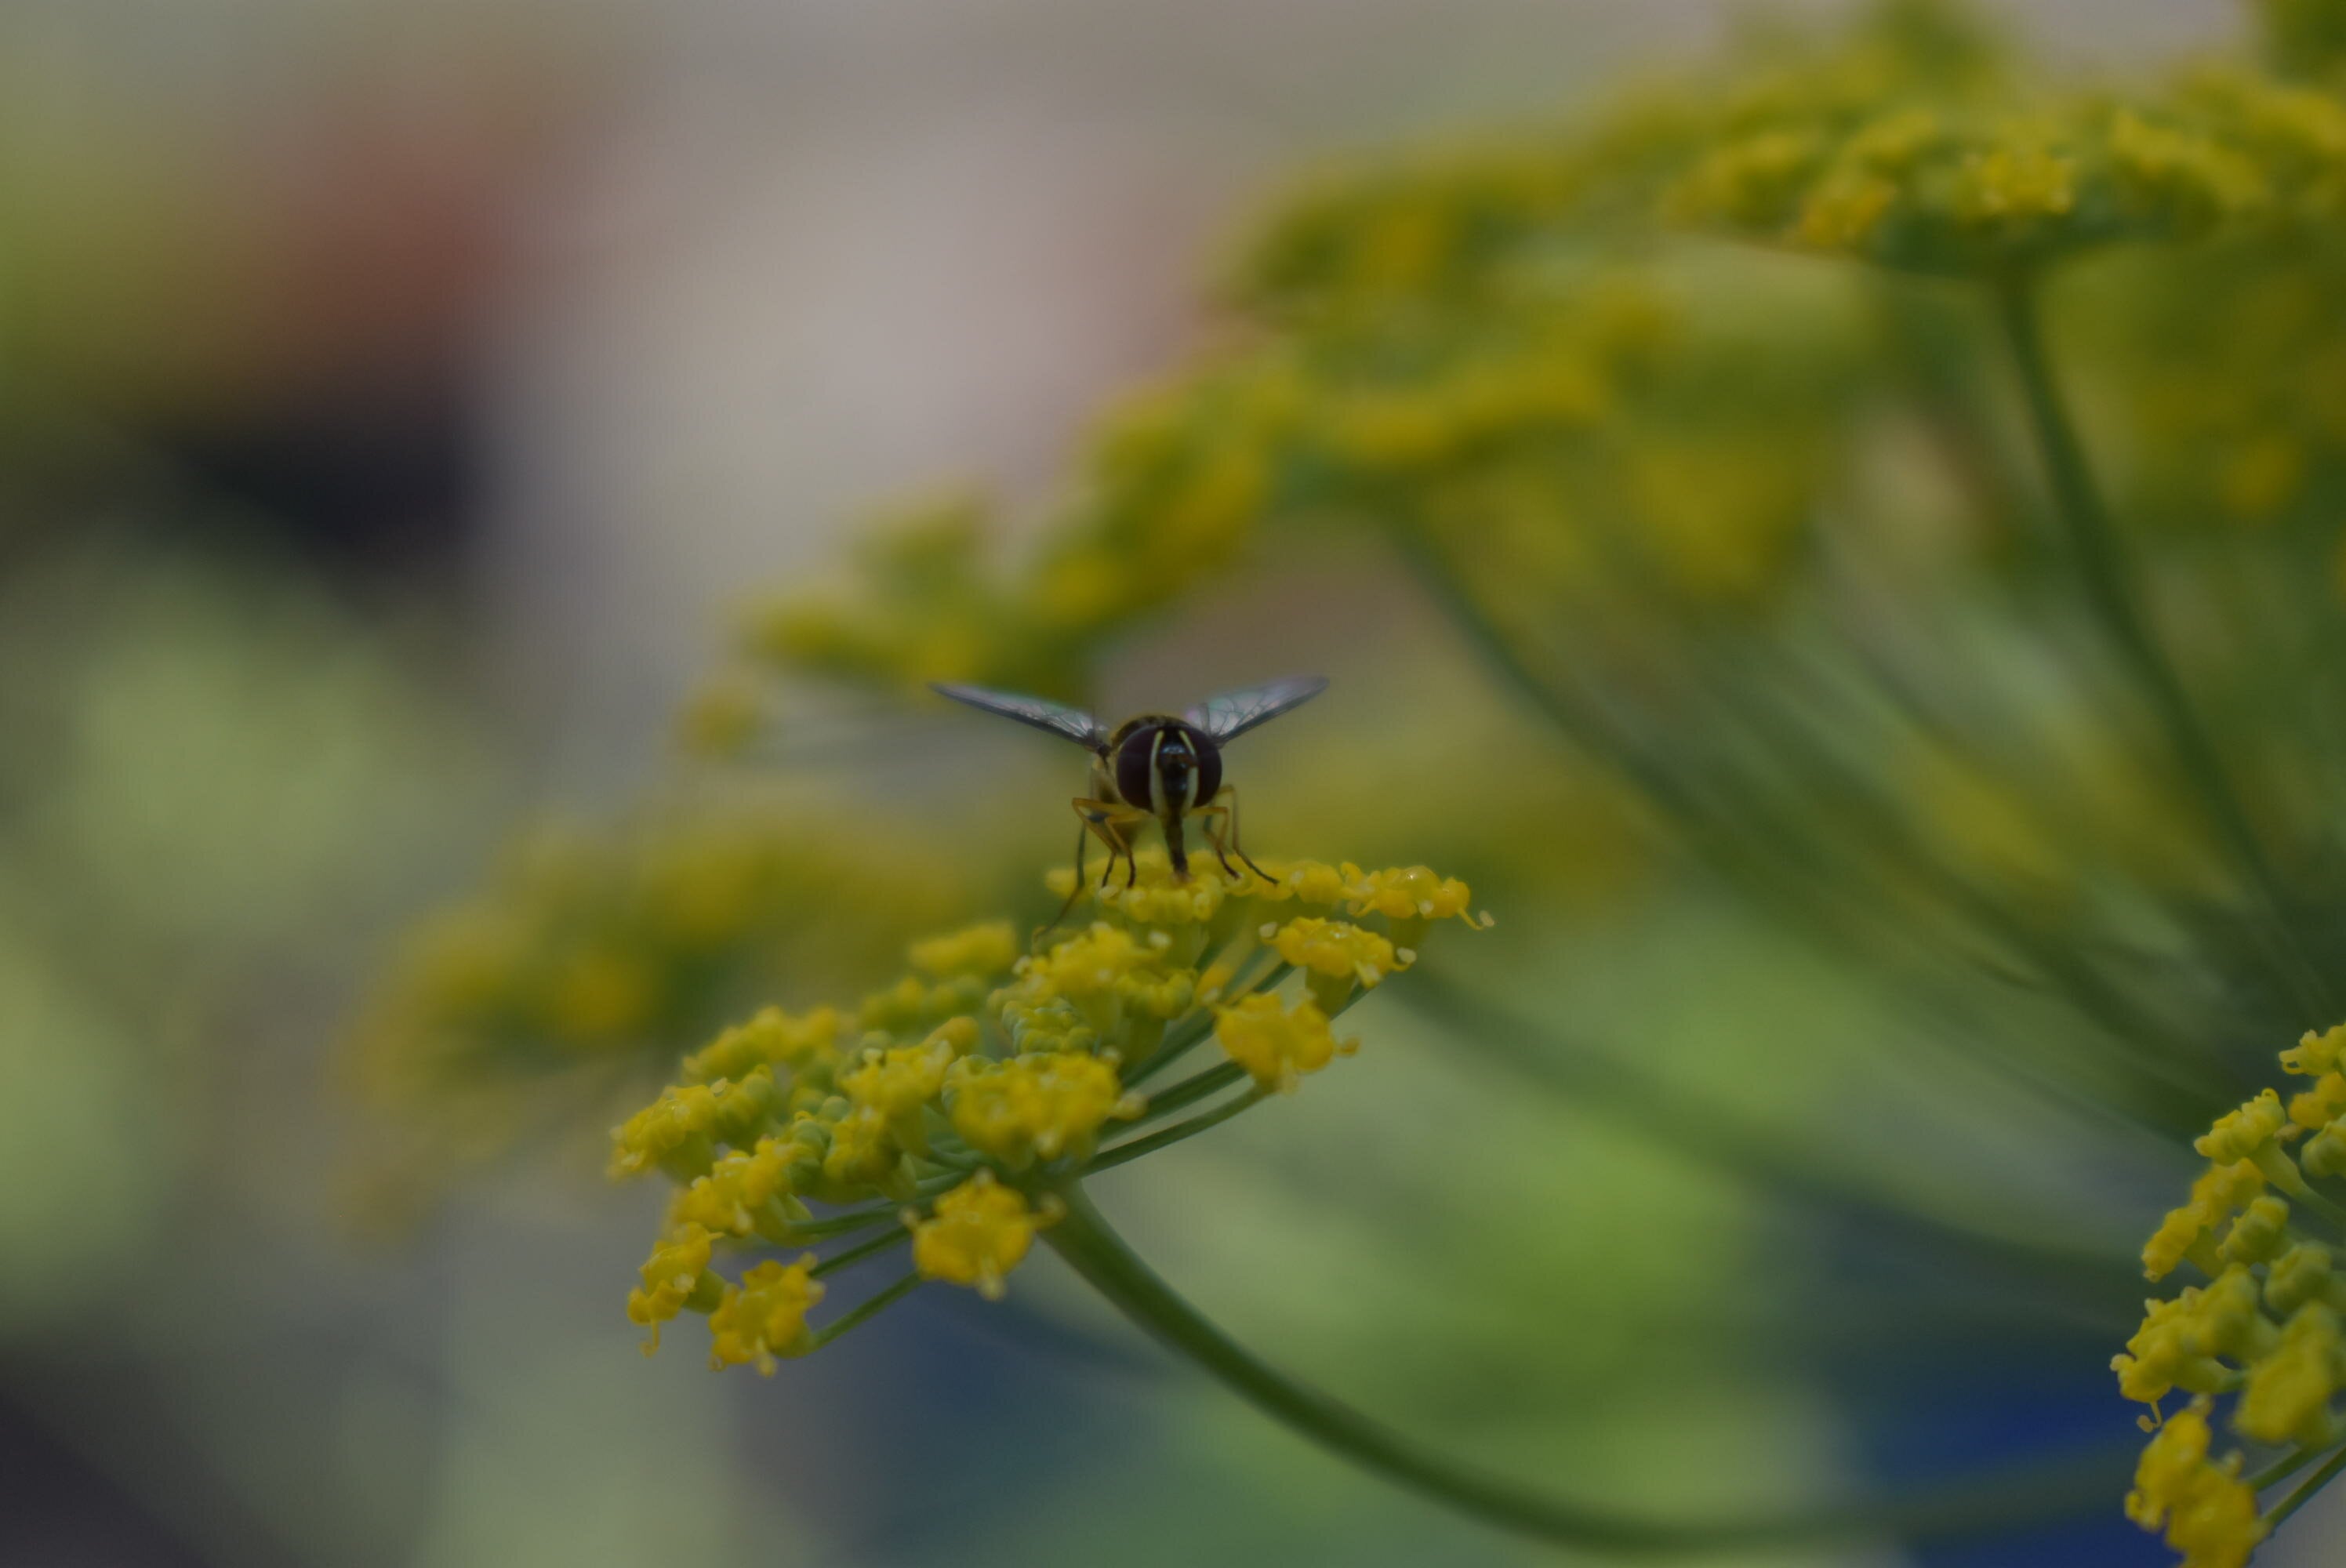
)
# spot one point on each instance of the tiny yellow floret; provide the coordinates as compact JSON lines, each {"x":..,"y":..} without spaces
{"x":1035,"y":1106}
{"x":980,"y":1232}
{"x":2209,"y":1512}
{"x":671,"y":1276}
{"x":1276,"y":1045}
{"x":764,"y":1317}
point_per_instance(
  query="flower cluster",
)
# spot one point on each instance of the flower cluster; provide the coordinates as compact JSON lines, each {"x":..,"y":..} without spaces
{"x":944,"y":1109}
{"x":600,"y":960}
{"x":2266,"y":1325}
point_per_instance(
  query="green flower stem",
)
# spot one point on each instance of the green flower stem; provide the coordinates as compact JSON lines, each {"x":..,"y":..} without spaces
{"x":2304,"y":1493}
{"x":855,"y":1219}
{"x":1108,"y":1159}
{"x":2115,"y":599}
{"x":1101,"y":1258}
{"x":864,"y":1310}
{"x":1765,"y":865}
{"x":1189,"y":1091}
{"x":870,"y":1248}
{"x":1176,"y":1045}
{"x":2282,"y":1469}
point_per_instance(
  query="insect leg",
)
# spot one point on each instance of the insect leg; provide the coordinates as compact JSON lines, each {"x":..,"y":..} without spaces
{"x":1230,"y":793}
{"x":1076,"y":890}
{"x":1109,"y":819}
{"x":1213,"y":821}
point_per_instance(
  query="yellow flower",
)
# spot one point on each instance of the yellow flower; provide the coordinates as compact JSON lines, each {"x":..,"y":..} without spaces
{"x":2219,"y":1339}
{"x":2322,"y":1104}
{"x":2316,"y":1054}
{"x":980,"y":1232}
{"x":2287,"y":1399}
{"x":771,"y":1038}
{"x":897,"y":1081}
{"x":764,"y":1317}
{"x":1276,"y":1045}
{"x":1841,"y":211}
{"x":983,"y":950}
{"x":782,"y":1114}
{"x":1088,"y":965}
{"x":672,"y":1277}
{"x":673,"y":1131}
{"x":1310,"y":882}
{"x":1035,"y":1106}
{"x":864,"y":1152}
{"x":2253,"y":1132}
{"x":2260,"y":1234}
{"x":1335,"y":954}
{"x":1409,"y":892}
{"x":2219,"y":1190}
{"x":2324,"y":1154}
{"x":2186,"y":175}
{"x":2209,"y":1512}
{"x":601,"y":992}
{"x":2301,"y":1275}
{"x":748,"y":1191}
{"x":2015,"y":185}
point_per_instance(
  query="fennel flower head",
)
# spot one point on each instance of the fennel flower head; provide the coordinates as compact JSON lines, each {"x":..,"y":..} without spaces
{"x":2262,"y":1331}
{"x":946,"y":1110}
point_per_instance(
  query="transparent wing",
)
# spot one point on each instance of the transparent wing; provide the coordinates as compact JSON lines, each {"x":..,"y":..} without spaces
{"x":1236,"y":712}
{"x":1070,"y":723}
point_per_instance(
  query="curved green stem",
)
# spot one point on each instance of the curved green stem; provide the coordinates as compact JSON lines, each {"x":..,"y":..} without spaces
{"x":868,"y":1248}
{"x":852,"y":1220}
{"x":1205,"y":1121}
{"x":2282,"y":1469}
{"x":865,"y":1310}
{"x":2115,"y":600}
{"x":1189,"y":1090}
{"x":2304,"y":1493}
{"x":1097,"y":1253}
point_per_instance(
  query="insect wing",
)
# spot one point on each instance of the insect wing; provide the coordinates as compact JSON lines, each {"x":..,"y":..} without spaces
{"x":1235,"y":712}
{"x":1070,"y":723}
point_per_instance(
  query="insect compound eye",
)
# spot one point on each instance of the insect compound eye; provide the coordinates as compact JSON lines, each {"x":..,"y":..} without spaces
{"x":1133,"y":767}
{"x":1209,"y":773}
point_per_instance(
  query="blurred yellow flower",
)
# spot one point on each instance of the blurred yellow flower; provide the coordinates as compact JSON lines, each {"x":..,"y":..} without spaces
{"x":978,"y":1233}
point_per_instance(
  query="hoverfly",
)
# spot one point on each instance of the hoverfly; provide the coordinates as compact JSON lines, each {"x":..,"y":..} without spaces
{"x":1155,"y":765}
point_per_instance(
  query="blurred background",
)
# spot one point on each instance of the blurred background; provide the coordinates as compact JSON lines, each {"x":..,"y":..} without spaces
{"x":399,"y":406}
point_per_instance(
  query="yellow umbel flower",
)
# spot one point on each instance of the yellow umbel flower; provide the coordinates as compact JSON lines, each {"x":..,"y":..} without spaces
{"x":772,"y":1038}
{"x":980,"y":950}
{"x":2265,"y":1327}
{"x":674,"y":1131}
{"x":2287,"y":1399}
{"x":764,"y":1317}
{"x":980,"y":1232}
{"x":864,"y":1154}
{"x":748,"y":1191}
{"x":1035,"y":1106}
{"x":1275,"y":1045}
{"x":2316,"y":1054}
{"x":2209,"y":1512}
{"x":965,"y":1105}
{"x":1335,"y":954}
{"x":2219,"y":1191}
{"x":897,"y":1081}
{"x":673,"y":1276}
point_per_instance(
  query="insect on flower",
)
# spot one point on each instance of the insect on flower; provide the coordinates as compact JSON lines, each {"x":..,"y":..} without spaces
{"x":1155,"y":765}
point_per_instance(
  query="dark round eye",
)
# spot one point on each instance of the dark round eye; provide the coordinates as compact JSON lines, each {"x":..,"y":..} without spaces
{"x":1132,"y":769}
{"x":1209,"y":774}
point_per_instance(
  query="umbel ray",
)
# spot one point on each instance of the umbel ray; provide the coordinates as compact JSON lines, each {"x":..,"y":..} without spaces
{"x":1154,"y":767}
